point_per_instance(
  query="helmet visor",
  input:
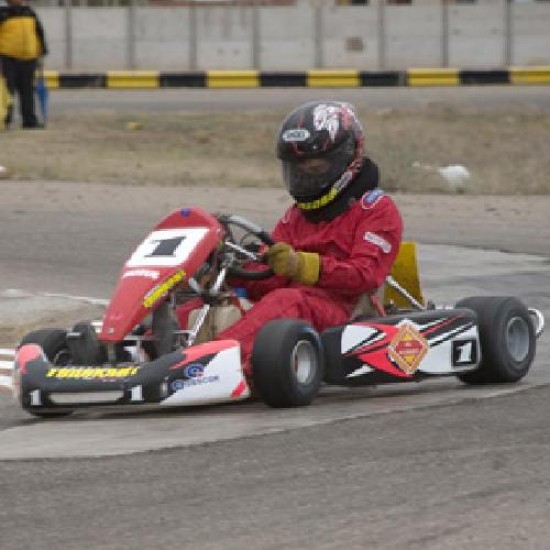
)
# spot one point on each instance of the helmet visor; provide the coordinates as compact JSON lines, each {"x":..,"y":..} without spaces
{"x":309,"y":178}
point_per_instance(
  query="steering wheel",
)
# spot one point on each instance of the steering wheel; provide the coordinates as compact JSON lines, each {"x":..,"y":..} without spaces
{"x":247,"y":254}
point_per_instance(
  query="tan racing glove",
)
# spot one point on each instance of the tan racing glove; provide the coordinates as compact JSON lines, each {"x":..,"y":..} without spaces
{"x":302,"y":267}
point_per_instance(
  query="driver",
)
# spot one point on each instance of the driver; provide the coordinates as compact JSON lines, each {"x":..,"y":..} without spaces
{"x":337,"y":241}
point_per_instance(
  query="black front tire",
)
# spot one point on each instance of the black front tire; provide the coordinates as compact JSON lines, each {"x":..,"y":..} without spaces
{"x":507,"y":338}
{"x":54,"y":344}
{"x":287,"y":363}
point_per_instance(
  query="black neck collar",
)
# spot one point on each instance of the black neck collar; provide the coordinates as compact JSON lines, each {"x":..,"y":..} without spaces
{"x":366,"y":179}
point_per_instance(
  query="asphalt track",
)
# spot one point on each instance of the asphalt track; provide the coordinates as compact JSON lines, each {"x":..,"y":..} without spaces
{"x":425,"y":466}
{"x":185,"y":99}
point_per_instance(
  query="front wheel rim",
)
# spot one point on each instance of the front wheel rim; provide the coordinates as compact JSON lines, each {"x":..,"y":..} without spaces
{"x":517,"y":338}
{"x":304,"y":361}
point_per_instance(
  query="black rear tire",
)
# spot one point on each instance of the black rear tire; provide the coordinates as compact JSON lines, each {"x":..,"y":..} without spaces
{"x":507,"y":338}
{"x":86,"y":349}
{"x":287,"y":363}
{"x":53,"y":342}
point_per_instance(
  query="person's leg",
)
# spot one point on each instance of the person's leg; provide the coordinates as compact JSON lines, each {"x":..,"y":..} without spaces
{"x":282,"y":303}
{"x":8,"y":71}
{"x":25,"y":82}
{"x":183,"y":311}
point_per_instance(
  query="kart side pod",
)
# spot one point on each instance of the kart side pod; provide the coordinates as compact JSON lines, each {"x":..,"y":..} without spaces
{"x":400,"y":348}
{"x":483,"y":340}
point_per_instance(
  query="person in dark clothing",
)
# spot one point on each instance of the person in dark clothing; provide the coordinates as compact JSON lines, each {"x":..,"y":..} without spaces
{"x":22,"y":44}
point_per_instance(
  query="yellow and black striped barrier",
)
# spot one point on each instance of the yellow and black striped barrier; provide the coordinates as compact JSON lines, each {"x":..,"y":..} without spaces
{"x":314,"y":78}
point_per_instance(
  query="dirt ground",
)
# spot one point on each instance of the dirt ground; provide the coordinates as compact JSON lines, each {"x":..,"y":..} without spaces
{"x":503,"y":148}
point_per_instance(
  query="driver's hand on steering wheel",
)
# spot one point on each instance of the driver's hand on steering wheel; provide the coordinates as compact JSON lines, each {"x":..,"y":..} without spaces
{"x":302,"y":267}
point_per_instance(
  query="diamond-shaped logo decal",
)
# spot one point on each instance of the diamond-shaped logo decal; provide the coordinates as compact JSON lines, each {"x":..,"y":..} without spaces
{"x":408,"y":348}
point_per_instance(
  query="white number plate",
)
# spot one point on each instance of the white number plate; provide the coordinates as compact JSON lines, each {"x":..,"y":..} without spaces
{"x":167,"y":247}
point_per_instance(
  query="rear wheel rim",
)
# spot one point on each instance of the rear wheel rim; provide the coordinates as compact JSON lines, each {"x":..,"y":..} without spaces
{"x":517,"y":338}
{"x":304,"y":362}
{"x":62,"y":357}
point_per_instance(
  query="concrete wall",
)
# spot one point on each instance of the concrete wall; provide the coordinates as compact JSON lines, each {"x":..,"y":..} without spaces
{"x":286,"y":38}
{"x":350,"y":38}
{"x":531,"y":28}
{"x":301,"y":37}
{"x":162,"y":51}
{"x":414,"y":37}
{"x":479,"y":34}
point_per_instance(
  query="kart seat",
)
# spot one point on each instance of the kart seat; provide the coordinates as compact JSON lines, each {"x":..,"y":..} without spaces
{"x":405,"y":272}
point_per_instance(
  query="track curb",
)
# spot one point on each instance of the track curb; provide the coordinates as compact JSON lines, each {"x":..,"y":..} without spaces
{"x":313,"y":78}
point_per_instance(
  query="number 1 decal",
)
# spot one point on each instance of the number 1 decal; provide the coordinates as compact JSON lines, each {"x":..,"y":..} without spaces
{"x":464,"y":352}
{"x":167,"y":247}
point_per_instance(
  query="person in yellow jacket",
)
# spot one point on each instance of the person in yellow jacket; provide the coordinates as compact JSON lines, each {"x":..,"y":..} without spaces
{"x":22,"y":44}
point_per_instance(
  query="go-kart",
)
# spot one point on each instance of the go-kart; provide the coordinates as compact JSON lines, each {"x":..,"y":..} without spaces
{"x":138,"y":354}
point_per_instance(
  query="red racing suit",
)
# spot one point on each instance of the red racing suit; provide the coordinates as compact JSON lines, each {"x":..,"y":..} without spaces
{"x":357,"y":250}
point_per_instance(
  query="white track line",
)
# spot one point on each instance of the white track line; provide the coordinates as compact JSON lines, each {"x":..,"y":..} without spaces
{"x":87,"y":299}
{"x":6,"y":367}
{"x":7,"y":355}
{"x":5,"y":383}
